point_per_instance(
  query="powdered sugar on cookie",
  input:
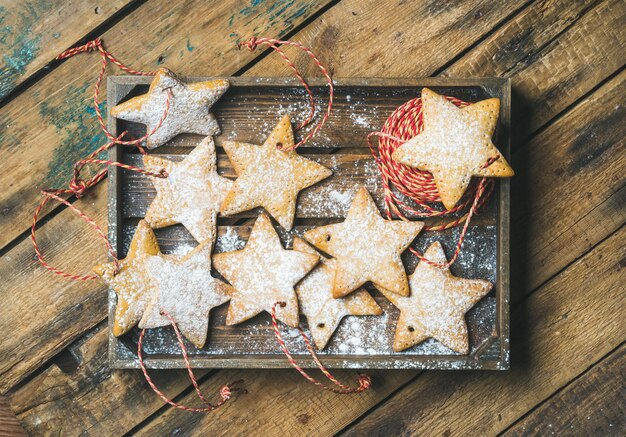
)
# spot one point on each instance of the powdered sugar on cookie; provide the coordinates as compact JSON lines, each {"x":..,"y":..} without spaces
{"x":322,"y":310}
{"x":188,"y":107}
{"x":186,"y":290}
{"x":263,"y":273}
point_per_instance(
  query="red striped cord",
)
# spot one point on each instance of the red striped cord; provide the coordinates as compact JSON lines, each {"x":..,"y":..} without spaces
{"x":78,"y":186}
{"x":225,"y":391}
{"x":254,"y":42}
{"x":365,"y":381}
{"x":418,"y":185}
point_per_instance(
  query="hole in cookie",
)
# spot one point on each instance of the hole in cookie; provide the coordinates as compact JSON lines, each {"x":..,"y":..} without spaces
{"x":321,"y":325}
{"x":411,"y":329}
{"x":279,"y":145}
{"x":327,"y":238}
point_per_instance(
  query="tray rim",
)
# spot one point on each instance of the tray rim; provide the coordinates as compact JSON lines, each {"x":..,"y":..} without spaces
{"x":498,"y":340}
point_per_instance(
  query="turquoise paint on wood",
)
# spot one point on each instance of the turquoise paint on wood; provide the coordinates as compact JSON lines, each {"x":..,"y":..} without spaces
{"x":18,"y":45}
{"x":76,"y":125}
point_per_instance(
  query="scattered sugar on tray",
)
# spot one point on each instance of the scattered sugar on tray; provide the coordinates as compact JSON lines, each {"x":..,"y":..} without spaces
{"x":230,"y":241}
{"x":182,"y":249}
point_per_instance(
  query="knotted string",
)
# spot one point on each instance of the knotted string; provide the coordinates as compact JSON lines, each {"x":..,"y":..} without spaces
{"x":254,"y":42}
{"x":225,"y":391}
{"x":365,"y":381}
{"x":78,"y":187}
{"x":418,"y":185}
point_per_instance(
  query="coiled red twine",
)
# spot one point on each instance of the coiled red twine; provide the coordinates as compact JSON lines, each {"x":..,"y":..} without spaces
{"x":417,"y":185}
{"x":78,"y":187}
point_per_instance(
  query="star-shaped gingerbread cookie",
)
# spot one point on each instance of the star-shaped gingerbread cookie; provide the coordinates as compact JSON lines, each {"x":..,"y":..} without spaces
{"x":322,"y":310}
{"x":437,"y":305}
{"x":185,"y":289}
{"x":132,"y":284}
{"x":191,"y":194}
{"x":263,"y":273}
{"x":270,"y":177}
{"x":188,"y":111}
{"x":366,"y":247}
{"x":455,"y":145}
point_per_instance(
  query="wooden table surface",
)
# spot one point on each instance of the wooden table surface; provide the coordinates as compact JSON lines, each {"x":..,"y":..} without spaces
{"x":566,"y":62}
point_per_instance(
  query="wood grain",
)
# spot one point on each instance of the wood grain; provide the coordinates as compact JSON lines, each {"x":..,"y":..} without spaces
{"x":79,"y":71}
{"x":568,"y":193}
{"x":53,"y":123}
{"x":591,"y":405}
{"x":544,"y":24}
{"x":438,"y":401}
{"x":573,"y":320}
{"x":552,"y":57}
{"x":9,"y":425}
{"x":528,"y":228}
{"x":78,"y":400}
{"x":381,"y":39}
{"x":43,"y":312}
{"x":34,"y":32}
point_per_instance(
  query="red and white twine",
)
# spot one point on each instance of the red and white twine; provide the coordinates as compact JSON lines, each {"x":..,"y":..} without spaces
{"x":254,"y":42}
{"x":416,"y":185}
{"x":365,"y":381}
{"x":78,"y":186}
{"x":225,"y":391}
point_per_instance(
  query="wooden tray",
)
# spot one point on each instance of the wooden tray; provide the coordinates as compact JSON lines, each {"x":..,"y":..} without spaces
{"x":247,"y":112}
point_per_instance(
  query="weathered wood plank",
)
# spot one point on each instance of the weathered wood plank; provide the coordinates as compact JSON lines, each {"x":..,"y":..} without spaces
{"x":328,"y":199}
{"x":379,"y":39}
{"x":43,"y":312}
{"x":591,"y":405}
{"x":84,"y":400}
{"x":573,"y":320}
{"x":76,"y":401}
{"x":9,"y":425}
{"x":550,"y":70}
{"x":33,"y":32}
{"x":52,"y":124}
{"x":560,"y":306}
{"x":273,"y":403}
{"x":568,"y":192}
{"x":529,"y":226}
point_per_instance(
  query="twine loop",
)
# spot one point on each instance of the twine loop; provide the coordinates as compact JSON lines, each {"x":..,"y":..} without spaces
{"x":364,"y":380}
{"x":254,"y":42}
{"x":90,"y":46}
{"x":78,"y":187}
{"x":403,"y":184}
{"x":225,"y":391}
{"x":251,"y":44}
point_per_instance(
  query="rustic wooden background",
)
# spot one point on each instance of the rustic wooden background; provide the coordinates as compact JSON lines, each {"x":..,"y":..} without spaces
{"x":566,"y":62}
